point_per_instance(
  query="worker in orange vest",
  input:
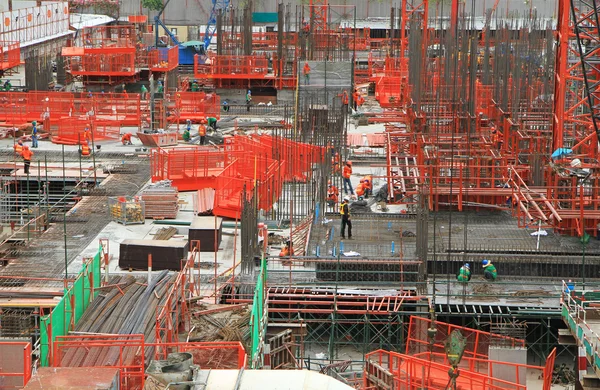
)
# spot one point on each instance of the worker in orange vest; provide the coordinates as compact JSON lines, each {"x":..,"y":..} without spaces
{"x":306,"y":72}
{"x":27,"y":155}
{"x":345,"y":101}
{"x":85,"y":149}
{"x":497,"y":138}
{"x":19,"y":147}
{"x":355,"y":96}
{"x":87,"y":135}
{"x":202,"y":132}
{"x":332,"y":194}
{"x":287,"y":250}
{"x":346,"y":177}
{"x":126,"y":139}
{"x":360,"y":189}
{"x":368,"y":185}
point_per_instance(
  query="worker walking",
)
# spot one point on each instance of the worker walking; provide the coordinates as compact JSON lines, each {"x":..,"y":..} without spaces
{"x":464,"y":273}
{"x":306,"y":72}
{"x":27,"y":155}
{"x":345,"y":213}
{"x":346,"y":177}
{"x":126,"y":139}
{"x":489,"y":271}
{"x":202,"y":133}
{"x":34,"y":135}
{"x":248,"y":100}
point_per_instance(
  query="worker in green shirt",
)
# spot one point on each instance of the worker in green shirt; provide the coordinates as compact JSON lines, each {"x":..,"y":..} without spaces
{"x":161,"y":87}
{"x":195,"y":86}
{"x":212,"y":122}
{"x":7,"y":85}
{"x":186,"y":132}
{"x":489,"y":271}
{"x":144,"y":92}
{"x":464,"y":274}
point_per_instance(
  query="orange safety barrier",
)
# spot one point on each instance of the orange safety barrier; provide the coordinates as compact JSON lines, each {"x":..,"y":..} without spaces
{"x":431,"y":371}
{"x":231,"y":67}
{"x":131,"y":354}
{"x":261,"y":162}
{"x":71,"y":131}
{"x":15,"y":364}
{"x":194,"y":106}
{"x":101,"y":62}
{"x":103,"y":37}
{"x":163,"y":59}
{"x":10,"y":55}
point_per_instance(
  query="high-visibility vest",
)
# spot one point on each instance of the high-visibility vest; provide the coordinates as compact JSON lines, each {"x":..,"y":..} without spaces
{"x":345,"y":98}
{"x":342,"y":208}
{"x":18,"y":148}
{"x":360,"y":189}
{"x":202,"y":130}
{"x":85,"y":150}
{"x":347,"y":172}
{"x":27,"y":154}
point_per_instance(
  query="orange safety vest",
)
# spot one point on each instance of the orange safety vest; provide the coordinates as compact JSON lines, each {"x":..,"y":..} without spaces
{"x":368,"y":182}
{"x":360,"y":189}
{"x":27,"y":154}
{"x":18,"y":148}
{"x":345,"y":98}
{"x":306,"y":69}
{"x":347,"y":172}
{"x":85,"y":150}
{"x":126,"y":138}
{"x":202,"y":130}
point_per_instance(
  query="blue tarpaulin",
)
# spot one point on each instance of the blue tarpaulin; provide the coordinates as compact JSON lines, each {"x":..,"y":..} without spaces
{"x":561,"y":152}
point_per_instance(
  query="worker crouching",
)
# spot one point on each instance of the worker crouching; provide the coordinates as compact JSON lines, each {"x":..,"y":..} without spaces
{"x":489,"y":271}
{"x":287,"y":251}
{"x":332,"y":195}
{"x":464,"y":273}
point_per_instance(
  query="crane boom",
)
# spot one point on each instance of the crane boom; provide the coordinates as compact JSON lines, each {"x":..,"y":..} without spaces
{"x":211,"y":26}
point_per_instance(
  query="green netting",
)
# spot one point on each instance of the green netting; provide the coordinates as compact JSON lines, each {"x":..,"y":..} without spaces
{"x":60,"y":320}
{"x":258,"y":319}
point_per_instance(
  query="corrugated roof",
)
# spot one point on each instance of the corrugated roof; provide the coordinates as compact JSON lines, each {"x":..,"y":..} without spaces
{"x":79,"y":21}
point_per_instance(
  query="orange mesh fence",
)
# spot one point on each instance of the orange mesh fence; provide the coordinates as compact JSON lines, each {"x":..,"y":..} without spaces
{"x":194,"y":106}
{"x":231,"y":67}
{"x":431,"y":371}
{"x":478,"y":342}
{"x":392,"y":91}
{"x":163,"y":59}
{"x":10,"y":55}
{"x":103,"y":37}
{"x":71,"y":131}
{"x":131,"y":354}
{"x":102,"y":62}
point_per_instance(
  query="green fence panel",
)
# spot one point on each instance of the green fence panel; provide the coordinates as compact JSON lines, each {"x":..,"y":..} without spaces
{"x":258,"y":320}
{"x":58,"y":321}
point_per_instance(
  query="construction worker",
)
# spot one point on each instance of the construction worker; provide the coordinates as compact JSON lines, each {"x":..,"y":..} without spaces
{"x":345,"y":213}
{"x":126,"y":139}
{"x":248,"y":100}
{"x":87,"y":135}
{"x":497,"y":138}
{"x":34,"y":135}
{"x":345,"y":101}
{"x":202,"y":133}
{"x":368,"y":185}
{"x":346,"y":178}
{"x":195,"y":86}
{"x":7,"y":85}
{"x":19,"y":147}
{"x":306,"y":72}
{"x":360,"y":189}
{"x":332,"y":194}
{"x":225,"y":106}
{"x":27,"y":155}
{"x":464,"y":273}
{"x":305,"y":27}
{"x":212,"y":122}
{"x":489,"y":271}
{"x":85,"y":150}
{"x":160,"y":88}
{"x":144,"y":91}
{"x":287,"y":250}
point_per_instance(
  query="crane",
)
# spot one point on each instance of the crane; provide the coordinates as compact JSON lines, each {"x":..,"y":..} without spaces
{"x":211,"y":26}
{"x":158,"y":22}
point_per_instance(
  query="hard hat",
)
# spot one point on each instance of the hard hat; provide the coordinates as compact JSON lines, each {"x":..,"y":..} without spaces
{"x":34,"y":123}
{"x":25,"y":147}
{"x":346,"y":198}
{"x":467,"y":265}
{"x":249,"y":91}
{"x":485,"y":263}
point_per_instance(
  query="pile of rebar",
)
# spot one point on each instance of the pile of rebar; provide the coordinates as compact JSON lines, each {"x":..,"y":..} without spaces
{"x":127,"y":307}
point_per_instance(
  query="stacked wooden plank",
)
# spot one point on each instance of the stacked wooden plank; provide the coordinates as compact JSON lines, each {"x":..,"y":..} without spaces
{"x":161,"y":202}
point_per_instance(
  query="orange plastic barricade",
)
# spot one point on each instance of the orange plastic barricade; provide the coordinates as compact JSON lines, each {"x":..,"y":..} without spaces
{"x":163,"y":59}
{"x":10,"y":55}
{"x":194,"y":106}
{"x":230,"y":67}
{"x":16,"y":371}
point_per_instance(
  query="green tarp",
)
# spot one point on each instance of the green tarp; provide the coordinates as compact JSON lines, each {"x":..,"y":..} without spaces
{"x":265,"y":17}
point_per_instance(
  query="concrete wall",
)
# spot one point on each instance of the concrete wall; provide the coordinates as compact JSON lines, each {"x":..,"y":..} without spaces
{"x":506,"y":372}
{"x":195,"y":12}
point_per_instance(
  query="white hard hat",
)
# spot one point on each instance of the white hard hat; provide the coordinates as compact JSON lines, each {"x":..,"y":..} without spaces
{"x":346,"y":198}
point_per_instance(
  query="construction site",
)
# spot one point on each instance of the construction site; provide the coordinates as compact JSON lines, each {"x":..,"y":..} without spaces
{"x":374,"y":195}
